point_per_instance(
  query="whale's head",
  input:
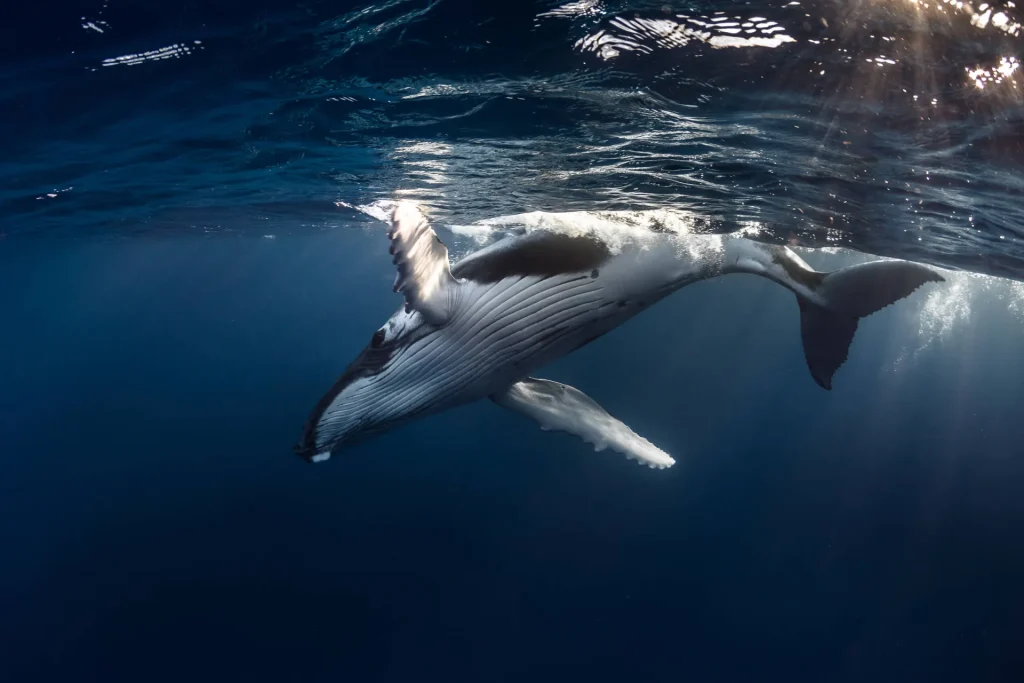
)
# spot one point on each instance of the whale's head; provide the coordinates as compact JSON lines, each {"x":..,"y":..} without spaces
{"x":433,"y":353}
{"x":399,"y":376}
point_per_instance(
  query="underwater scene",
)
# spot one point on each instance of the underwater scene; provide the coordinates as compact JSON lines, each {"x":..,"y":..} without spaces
{"x":452,"y":340}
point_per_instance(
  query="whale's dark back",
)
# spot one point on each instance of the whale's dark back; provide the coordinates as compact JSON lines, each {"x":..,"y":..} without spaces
{"x":540,"y":253}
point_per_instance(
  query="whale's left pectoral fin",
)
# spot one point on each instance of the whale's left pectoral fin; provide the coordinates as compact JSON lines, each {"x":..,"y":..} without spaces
{"x":563,"y":408}
{"x":424,"y":274}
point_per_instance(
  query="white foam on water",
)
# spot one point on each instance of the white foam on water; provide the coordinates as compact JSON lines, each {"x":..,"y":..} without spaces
{"x":615,"y":228}
{"x":946,"y":308}
{"x":1016,"y":298}
{"x":952,"y":305}
{"x":380,"y":209}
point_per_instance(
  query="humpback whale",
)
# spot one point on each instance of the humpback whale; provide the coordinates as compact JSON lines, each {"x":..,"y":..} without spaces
{"x":479,"y":328}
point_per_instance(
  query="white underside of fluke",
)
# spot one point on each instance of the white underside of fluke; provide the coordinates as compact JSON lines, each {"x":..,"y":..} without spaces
{"x":559,"y":407}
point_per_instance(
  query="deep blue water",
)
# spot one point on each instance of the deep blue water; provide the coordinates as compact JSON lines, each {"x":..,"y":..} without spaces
{"x":186,"y":265}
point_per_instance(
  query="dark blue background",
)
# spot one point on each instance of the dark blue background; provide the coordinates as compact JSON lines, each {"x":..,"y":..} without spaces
{"x":156,"y":526}
{"x":160,"y":355}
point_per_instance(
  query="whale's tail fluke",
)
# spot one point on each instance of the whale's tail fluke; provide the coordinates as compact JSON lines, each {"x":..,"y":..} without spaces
{"x":829,"y":316}
{"x":831,"y":304}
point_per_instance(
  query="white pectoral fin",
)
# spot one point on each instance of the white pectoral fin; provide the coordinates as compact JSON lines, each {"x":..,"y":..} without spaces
{"x":563,"y":408}
{"x":424,"y":274}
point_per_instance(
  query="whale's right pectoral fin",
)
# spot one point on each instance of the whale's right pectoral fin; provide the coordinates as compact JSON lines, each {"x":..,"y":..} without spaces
{"x":560,"y":407}
{"x":424,"y":274}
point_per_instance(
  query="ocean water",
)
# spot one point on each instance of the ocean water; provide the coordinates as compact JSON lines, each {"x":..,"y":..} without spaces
{"x":191,"y":252}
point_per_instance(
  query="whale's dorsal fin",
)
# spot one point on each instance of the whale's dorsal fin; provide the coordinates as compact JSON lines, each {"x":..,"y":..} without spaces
{"x":563,"y":408}
{"x":424,"y":274}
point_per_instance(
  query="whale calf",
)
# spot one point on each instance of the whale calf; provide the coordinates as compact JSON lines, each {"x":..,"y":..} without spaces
{"x":478,"y":329}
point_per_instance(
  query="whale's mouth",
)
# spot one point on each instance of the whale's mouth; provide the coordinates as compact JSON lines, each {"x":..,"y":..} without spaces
{"x":354,"y":432}
{"x":369,"y":363}
{"x":311,"y":456}
{"x":388,"y":384}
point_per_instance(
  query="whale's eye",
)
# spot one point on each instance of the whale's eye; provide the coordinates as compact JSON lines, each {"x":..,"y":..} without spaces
{"x":378,"y":338}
